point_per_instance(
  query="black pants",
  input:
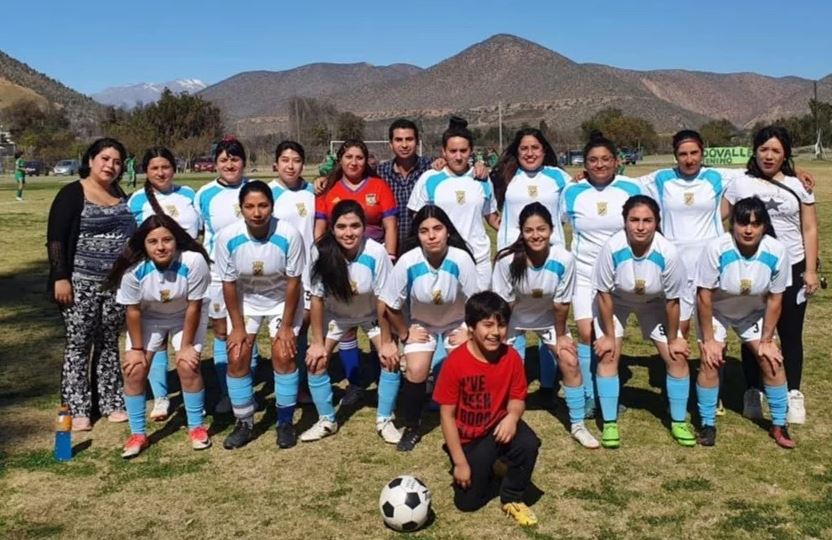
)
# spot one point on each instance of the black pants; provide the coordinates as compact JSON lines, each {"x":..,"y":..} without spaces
{"x":790,"y":330}
{"x":520,"y":456}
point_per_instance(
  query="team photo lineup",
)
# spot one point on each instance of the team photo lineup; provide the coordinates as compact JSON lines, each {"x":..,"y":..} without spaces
{"x":399,"y":254}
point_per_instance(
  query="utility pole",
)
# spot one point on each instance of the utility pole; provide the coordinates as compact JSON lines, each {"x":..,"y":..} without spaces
{"x":500,"y":114}
{"x":297,"y":120}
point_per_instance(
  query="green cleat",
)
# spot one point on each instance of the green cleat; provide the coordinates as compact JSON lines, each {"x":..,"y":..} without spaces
{"x":610,"y":437}
{"x":683,"y":434}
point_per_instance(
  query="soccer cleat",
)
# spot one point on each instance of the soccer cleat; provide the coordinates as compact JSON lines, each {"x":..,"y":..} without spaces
{"x":241,"y":436}
{"x":322,"y":428}
{"x":720,"y":408}
{"x":134,"y":445}
{"x":610,"y":438}
{"x":521,"y":513}
{"x":160,"y":409}
{"x":200,"y":440}
{"x":781,"y":436}
{"x":683,"y":434}
{"x":589,"y":408}
{"x":19,"y":199}
{"x":581,"y":434}
{"x":286,"y":436}
{"x":752,"y":404}
{"x":386,"y":429}
{"x":223,"y":406}
{"x":353,"y":396}
{"x":797,"y":408}
{"x":410,"y":438}
{"x":707,"y":436}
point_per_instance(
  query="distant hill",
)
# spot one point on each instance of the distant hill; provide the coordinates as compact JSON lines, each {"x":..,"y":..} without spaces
{"x":19,"y":81}
{"x":131,"y":95}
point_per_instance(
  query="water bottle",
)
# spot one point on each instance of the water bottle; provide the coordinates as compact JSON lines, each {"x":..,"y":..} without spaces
{"x":63,"y":435}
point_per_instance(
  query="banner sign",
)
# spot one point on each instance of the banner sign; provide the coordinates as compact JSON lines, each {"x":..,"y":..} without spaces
{"x":726,"y":155}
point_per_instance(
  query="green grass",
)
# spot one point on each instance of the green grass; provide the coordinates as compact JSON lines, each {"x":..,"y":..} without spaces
{"x":745,"y":487}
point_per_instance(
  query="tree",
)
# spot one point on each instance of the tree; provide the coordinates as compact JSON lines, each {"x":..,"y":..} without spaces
{"x":42,"y":131}
{"x":350,"y":126}
{"x":626,"y":131}
{"x":718,"y":132}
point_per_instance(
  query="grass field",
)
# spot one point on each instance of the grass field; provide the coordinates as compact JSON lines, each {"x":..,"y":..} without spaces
{"x":745,"y":487}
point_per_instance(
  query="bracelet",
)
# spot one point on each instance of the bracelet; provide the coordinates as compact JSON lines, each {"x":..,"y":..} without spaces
{"x":406,"y":337}
{"x":137,"y":349}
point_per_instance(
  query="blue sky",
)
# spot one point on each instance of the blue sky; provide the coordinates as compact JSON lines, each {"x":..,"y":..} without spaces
{"x":93,"y":44}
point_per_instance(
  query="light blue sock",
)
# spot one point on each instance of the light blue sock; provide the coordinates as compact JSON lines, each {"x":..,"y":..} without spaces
{"x":135,"y":413}
{"x":608,"y":390}
{"x":194,"y":407}
{"x":520,"y":345}
{"x":158,"y":375}
{"x":548,"y":367}
{"x":350,"y":357}
{"x":439,"y":354}
{"x":221,"y":365}
{"x":778,"y":403}
{"x":321,"y":389}
{"x":388,"y":389}
{"x":255,"y":356}
{"x":706,"y":399}
{"x":300,"y":359}
{"x":241,"y":393}
{"x":585,"y":361}
{"x":678,"y":391}
{"x":576,"y":403}
{"x":286,"y":396}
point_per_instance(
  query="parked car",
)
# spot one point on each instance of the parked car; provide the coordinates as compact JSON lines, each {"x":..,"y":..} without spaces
{"x":629,"y":157}
{"x":66,"y":167}
{"x":203,"y":164}
{"x":576,"y":157}
{"x":36,"y":168}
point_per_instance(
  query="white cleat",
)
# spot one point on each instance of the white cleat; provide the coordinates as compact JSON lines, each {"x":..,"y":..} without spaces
{"x":387,"y":431}
{"x":581,"y":434}
{"x":161,"y":408}
{"x":797,"y":408}
{"x":322,"y":428}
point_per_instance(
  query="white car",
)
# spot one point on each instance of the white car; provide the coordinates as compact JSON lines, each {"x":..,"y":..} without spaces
{"x":66,"y":167}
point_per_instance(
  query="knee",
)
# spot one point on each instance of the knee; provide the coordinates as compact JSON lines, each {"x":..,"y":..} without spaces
{"x":465,"y":502}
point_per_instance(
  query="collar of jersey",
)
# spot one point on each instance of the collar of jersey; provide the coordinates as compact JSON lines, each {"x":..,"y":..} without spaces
{"x":281,"y":185}
{"x":361,"y":185}
{"x":265,"y":240}
{"x":469,"y":173}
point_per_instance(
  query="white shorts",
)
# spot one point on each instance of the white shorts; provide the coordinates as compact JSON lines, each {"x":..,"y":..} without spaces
{"x":651,"y":316}
{"x":307,"y":299}
{"x":546,"y":335}
{"x":155,"y":333}
{"x":216,"y":300}
{"x":687,"y":303}
{"x":582,"y":300}
{"x":484,"y":272}
{"x":253,"y":322}
{"x":433,"y":335}
{"x":749,"y":328}
{"x":336,"y":329}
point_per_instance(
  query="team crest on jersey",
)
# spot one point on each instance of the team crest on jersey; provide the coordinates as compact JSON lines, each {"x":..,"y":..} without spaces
{"x":601,"y":207}
{"x":332,"y":327}
{"x":639,"y":288}
{"x":437,"y":298}
{"x":460,"y":197}
{"x":301,"y":209}
{"x":745,"y":287}
{"x":537,"y":293}
{"x":354,"y":287}
{"x":237,"y":212}
{"x":689,"y":198}
{"x":164,"y":295}
{"x":257,"y":268}
{"x":216,"y":307}
{"x":172,"y":210}
{"x":336,"y":200}
{"x":532,"y":191}
{"x":371,"y":199}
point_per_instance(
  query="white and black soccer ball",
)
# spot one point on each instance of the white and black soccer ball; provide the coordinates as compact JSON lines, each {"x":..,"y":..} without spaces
{"x":405,"y":503}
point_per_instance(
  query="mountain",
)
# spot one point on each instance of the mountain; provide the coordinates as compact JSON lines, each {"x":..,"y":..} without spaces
{"x":130,"y":96}
{"x":18,"y":81}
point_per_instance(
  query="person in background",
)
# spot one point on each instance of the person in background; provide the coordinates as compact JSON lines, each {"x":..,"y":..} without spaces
{"x":19,"y":174}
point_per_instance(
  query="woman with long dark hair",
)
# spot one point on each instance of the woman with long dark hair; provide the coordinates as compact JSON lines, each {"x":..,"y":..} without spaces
{"x":349,"y":274}
{"x":162,"y":276}
{"x":431,"y":281}
{"x":741,"y":279}
{"x":89,"y":224}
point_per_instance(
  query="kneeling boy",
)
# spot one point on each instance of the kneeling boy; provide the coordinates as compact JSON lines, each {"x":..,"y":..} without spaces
{"x":481,"y":392}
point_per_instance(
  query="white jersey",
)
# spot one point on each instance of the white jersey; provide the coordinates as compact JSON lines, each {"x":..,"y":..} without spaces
{"x":465,"y":200}
{"x":658,"y":274}
{"x":595,"y":215}
{"x":260,"y":267}
{"x":178,"y":203}
{"x":782,"y":205}
{"x":164,"y":294}
{"x":544,"y":186}
{"x":297,"y":206}
{"x":435,"y":296}
{"x":369,"y":273}
{"x":741,"y":284}
{"x":219,"y":207}
{"x":534,"y":297}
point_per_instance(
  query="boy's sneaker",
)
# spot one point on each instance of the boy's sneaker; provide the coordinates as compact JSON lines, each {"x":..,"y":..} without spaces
{"x":160,"y":409}
{"x":707,"y":436}
{"x":683,"y":434}
{"x":752,"y":404}
{"x":781,"y":436}
{"x":286,"y":436}
{"x":200,"y":440}
{"x":521,"y":513}
{"x":720,"y":408}
{"x":241,"y":436}
{"x":223,"y":405}
{"x":134,"y":445}
{"x":797,"y":408}
{"x":322,"y":428}
{"x":387,"y":431}
{"x":410,"y":438}
{"x":610,"y":438}
{"x":353,"y":396}
{"x":581,"y":434}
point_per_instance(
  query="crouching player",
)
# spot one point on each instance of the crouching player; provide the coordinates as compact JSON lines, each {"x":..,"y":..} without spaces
{"x":162,"y":276}
{"x":481,"y":392}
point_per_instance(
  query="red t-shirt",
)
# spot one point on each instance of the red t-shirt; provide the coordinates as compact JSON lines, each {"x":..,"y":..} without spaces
{"x":374,"y":196}
{"x":479,"y":390}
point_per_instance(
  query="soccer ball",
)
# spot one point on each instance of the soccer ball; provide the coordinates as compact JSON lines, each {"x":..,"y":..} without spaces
{"x":405,"y":503}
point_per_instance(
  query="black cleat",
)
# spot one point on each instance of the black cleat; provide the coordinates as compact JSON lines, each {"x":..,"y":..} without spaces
{"x":286,"y":436}
{"x":241,"y":436}
{"x":353,"y":396}
{"x":707,"y":436}
{"x":410,"y":438}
